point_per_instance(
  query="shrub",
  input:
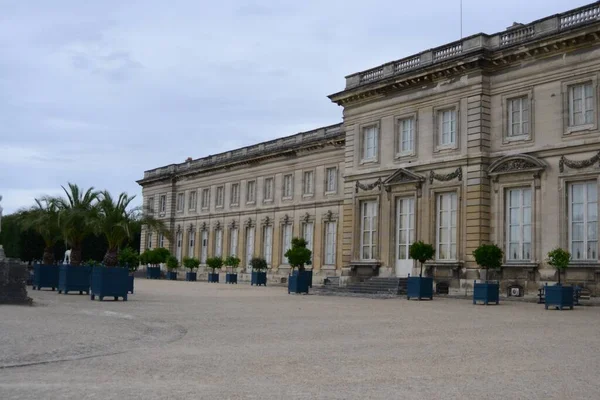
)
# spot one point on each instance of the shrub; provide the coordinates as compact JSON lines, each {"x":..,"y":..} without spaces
{"x":214,"y":263}
{"x":258,"y":264}
{"x":172,"y":263}
{"x":129,"y":258}
{"x":488,"y":256}
{"x":191,"y":263}
{"x":559,"y":259}
{"x":421,"y":252}
{"x":298,"y":256}
{"x":233,"y":262}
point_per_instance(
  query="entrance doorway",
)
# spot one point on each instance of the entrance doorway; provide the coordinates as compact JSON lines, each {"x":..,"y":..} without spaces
{"x":405,"y":235}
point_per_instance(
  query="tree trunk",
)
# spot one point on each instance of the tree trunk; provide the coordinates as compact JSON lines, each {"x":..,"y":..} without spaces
{"x":75,"y":255}
{"x":421,"y":273}
{"x":48,"y":258}
{"x":111,"y":258}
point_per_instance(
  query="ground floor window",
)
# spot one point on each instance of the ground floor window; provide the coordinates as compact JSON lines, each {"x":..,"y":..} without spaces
{"x":583,"y":220}
{"x":233,"y":242}
{"x":446,"y":226}
{"x":249,"y":245}
{"x":307,"y":234}
{"x":178,"y":245}
{"x":518,"y":224}
{"x":149,"y":240}
{"x":330,"y":243}
{"x":268,"y":244}
{"x":191,"y":244}
{"x":204,"y":250}
{"x":286,"y":242}
{"x":368,"y":230}
{"x":218,"y":243}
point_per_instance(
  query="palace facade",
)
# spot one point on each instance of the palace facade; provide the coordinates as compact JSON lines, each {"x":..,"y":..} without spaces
{"x":493,"y":138}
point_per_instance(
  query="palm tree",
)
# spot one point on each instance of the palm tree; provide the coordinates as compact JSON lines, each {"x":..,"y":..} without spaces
{"x":43,"y":219}
{"x":76,"y":217}
{"x":117,"y":222}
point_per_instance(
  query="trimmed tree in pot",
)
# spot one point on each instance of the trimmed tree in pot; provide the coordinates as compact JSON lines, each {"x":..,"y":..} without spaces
{"x":298,"y":256}
{"x":172,"y":265}
{"x":130,"y":259}
{"x":191,"y":263}
{"x":487,"y":256}
{"x":559,"y":296}
{"x":155,"y":257}
{"x":420,"y":287}
{"x":214,"y":263}
{"x":259,"y":271}
{"x":232,"y":262}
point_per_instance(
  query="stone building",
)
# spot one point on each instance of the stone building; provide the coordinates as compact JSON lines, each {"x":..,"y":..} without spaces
{"x":493,"y":138}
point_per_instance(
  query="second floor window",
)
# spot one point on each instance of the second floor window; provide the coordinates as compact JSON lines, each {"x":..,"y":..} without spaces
{"x":163,"y":203}
{"x":150,"y":205}
{"x":518,"y":117}
{"x":331,"y":180}
{"x":268,"y":189}
{"x":369,"y":143}
{"x":220,"y":196}
{"x":287,"y":186}
{"x":192,"y":200}
{"x":308,"y":183}
{"x":581,"y":104}
{"x":447,"y":127}
{"x":251,"y":192}
{"x":235,"y":194}
{"x":205,"y":198}
{"x":180,"y":201}
{"x":406,"y":136}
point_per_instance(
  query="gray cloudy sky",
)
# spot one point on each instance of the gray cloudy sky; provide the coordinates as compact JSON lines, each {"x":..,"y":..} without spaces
{"x":96,"y":92}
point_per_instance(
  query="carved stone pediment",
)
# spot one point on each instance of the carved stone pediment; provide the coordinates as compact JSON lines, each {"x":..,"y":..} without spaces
{"x":516,"y":164}
{"x":402,"y":176}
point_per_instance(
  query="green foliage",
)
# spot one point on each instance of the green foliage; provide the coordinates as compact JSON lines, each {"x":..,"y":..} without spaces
{"x":488,"y":256}
{"x":258,"y":264}
{"x":43,"y":219}
{"x":214,"y":263}
{"x":298,"y":255}
{"x":191,"y":263}
{"x":559,"y":259}
{"x":421,"y":252}
{"x":160,"y":255}
{"x":233,"y":262}
{"x":93,"y":263}
{"x":129,"y":258}
{"x":172,"y":263}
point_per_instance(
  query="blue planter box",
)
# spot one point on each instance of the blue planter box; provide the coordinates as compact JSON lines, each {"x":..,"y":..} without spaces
{"x":110,"y":282}
{"x":213,"y":278}
{"x":310,"y":276}
{"x":45,"y":276}
{"x":153,"y":273}
{"x":419,"y":288}
{"x":231,"y":278}
{"x":559,"y":296}
{"x":172,"y":276}
{"x":74,"y":278}
{"x":259,"y":278}
{"x":298,"y":282}
{"x":190,"y":276}
{"x":486,"y":292}
{"x":130,"y":287}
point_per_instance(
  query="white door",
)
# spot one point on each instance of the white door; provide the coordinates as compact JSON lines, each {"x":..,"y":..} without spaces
{"x":204,"y":253}
{"x":405,"y":234}
{"x":249,"y":247}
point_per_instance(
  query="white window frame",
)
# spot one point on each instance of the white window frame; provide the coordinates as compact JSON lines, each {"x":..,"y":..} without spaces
{"x":249,"y":249}
{"x":203,"y":246}
{"x":331,"y":180}
{"x":286,"y":242}
{"x":251,"y":192}
{"x":162,"y":203}
{"x":408,"y":125}
{"x":587,"y":220}
{"x":205,"y":199}
{"x":452,"y":122}
{"x":523,"y":122}
{"x":178,"y":245}
{"x":218,"y":242}
{"x":233,"y":241}
{"x":585,"y":107}
{"x":234,"y":199}
{"x":330,"y":246}
{"x":268,"y":244}
{"x":287,"y":191}
{"x":180,"y":202}
{"x":191,"y":243}
{"x":220,"y":196}
{"x":149,"y":240}
{"x":369,"y":143}
{"x":161,"y":240}
{"x":150,"y":205}
{"x":369,"y":224}
{"x":444,"y":199}
{"x":192,"y":200}
{"x":308,"y":234}
{"x":268,"y":189}
{"x":522,"y":225}
{"x":308,"y":183}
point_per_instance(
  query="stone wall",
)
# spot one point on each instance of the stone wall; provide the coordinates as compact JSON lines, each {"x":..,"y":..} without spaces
{"x":13,"y":278}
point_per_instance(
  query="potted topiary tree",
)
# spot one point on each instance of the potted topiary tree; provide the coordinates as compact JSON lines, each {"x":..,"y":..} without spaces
{"x":559,"y":296}
{"x":232,"y":262}
{"x":129,"y":258}
{"x":172,"y":265}
{"x":420,"y":287}
{"x":487,"y":256}
{"x":214,"y":263}
{"x":298,"y":256}
{"x":259,"y":271}
{"x":191,"y":263}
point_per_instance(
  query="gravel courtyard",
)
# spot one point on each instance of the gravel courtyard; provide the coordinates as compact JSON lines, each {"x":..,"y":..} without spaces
{"x":182,"y":340}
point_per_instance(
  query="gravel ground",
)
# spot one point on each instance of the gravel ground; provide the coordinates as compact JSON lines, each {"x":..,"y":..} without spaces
{"x":183,"y":340}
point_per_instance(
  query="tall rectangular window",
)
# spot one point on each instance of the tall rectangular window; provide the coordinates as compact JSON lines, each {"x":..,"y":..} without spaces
{"x":251,"y":192}
{"x":406,"y":136}
{"x":369,"y":143}
{"x":307,"y":234}
{"x":446,"y":226}
{"x":331,"y":180}
{"x":192,"y":200}
{"x":518,"y":117}
{"x":163,"y":203}
{"x":581,"y":104}
{"x":191,"y":244}
{"x":518,"y":224}
{"x":149,"y":240}
{"x":204,"y":247}
{"x":330,"y":243}
{"x":150,"y":206}
{"x":308,"y":183}
{"x":368,"y":228}
{"x":235,"y":194}
{"x":220,"y":196}
{"x":233,"y":241}
{"x":447,"y":127}
{"x":286,"y":242}
{"x":268,"y":244}
{"x":178,"y":245}
{"x":287,"y":186}
{"x":249,"y":246}
{"x":180,"y":201}
{"x":268,"y":189}
{"x":161,"y":240}
{"x":218,"y":243}
{"x":205,"y":198}
{"x":583,"y":220}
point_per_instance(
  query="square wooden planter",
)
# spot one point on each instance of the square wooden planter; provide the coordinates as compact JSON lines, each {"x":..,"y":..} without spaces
{"x":171,"y":276}
{"x":298,"y":282}
{"x":110,"y":282}
{"x":559,"y":296}
{"x":153,"y":273}
{"x":231,"y":278}
{"x":418,"y":287}
{"x":74,"y":278}
{"x":486,"y":292}
{"x":258,"y":278}
{"x":45,"y":276}
{"x":213,"y":278}
{"x":190,"y":276}
{"x":130,"y":287}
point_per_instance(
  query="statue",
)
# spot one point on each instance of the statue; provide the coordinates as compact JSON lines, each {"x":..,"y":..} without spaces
{"x":67,"y":259}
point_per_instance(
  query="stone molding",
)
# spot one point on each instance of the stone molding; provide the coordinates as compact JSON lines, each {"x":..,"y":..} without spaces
{"x":578,"y":164}
{"x":368,"y":186}
{"x":446,"y":177}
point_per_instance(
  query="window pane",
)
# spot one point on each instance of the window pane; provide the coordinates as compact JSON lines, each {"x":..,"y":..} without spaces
{"x":577,"y":231}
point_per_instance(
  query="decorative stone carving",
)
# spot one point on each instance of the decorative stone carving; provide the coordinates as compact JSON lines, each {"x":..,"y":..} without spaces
{"x":218,"y":225}
{"x":446,"y":177}
{"x":232,"y":224}
{"x":249,"y":222}
{"x":369,"y":186}
{"x":191,"y":228}
{"x":403,"y":176}
{"x":515,"y":165}
{"x":306,"y":217}
{"x":178,"y":228}
{"x":329,"y":216}
{"x":286,"y":219}
{"x":578,"y":164}
{"x":267,"y":221}
{"x":203,"y":227}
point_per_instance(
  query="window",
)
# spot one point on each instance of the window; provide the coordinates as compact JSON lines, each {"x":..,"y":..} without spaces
{"x":163,"y":203}
{"x":406,"y":136}
{"x":178,"y":244}
{"x":268,"y":189}
{"x":330,"y":246}
{"x":205,"y":198}
{"x":204,"y":249}
{"x":150,"y":205}
{"x":518,"y":117}
{"x":308,"y":183}
{"x":235,"y":194}
{"x":581,"y":104}
{"x":218,"y":243}
{"x":233,"y":241}
{"x":149,"y":240}
{"x":447,"y":127}
{"x":180,"y":201}
{"x":331,"y":180}
{"x":268,"y":244}
{"x":161,"y":240}
{"x":446,"y":226}
{"x":369,"y":144}
{"x":368,"y":229}
{"x":220,"y":196}
{"x":249,"y":246}
{"x":518,"y":224}
{"x":251,"y":192}
{"x":192,"y":244}
{"x":307,"y":234}
{"x":287,"y":186}
{"x":192,"y":200}
{"x":583,"y":220}
{"x":286,"y":241}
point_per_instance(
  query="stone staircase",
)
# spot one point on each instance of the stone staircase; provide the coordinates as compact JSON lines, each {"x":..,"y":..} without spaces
{"x":371,"y":286}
